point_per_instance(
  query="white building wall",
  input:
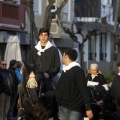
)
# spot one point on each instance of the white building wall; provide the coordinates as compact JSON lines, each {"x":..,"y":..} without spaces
{"x":86,"y":51}
{"x":98,"y":49}
{"x":108,"y":47}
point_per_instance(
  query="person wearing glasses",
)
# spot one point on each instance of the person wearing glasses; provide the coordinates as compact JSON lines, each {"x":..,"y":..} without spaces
{"x":5,"y":90}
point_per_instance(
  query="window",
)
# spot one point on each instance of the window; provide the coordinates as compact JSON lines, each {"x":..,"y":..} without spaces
{"x":13,"y":1}
{"x":24,"y":50}
{"x":87,"y":8}
{"x":2,"y":50}
{"x":92,"y":48}
{"x":115,"y":52}
{"x":65,"y":12}
{"x":37,"y":7}
{"x":109,"y":1}
{"x":106,"y":2}
{"x":107,"y":9}
{"x":17,"y":1}
{"x":114,"y":9}
{"x":103,"y":47}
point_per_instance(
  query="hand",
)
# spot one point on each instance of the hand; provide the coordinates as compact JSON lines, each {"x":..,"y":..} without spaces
{"x":42,"y":95}
{"x":46,"y":75}
{"x":89,"y":114}
{"x":100,"y":103}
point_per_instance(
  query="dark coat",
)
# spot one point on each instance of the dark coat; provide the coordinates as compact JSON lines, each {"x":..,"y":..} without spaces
{"x":49,"y":60}
{"x":15,"y":80}
{"x":99,"y":78}
{"x":5,"y":86}
{"x":115,"y":90}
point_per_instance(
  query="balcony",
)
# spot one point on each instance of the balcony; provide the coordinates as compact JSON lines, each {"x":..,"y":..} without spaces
{"x":12,"y":16}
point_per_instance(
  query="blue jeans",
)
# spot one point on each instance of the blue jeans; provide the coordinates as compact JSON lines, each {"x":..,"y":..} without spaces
{"x":66,"y":114}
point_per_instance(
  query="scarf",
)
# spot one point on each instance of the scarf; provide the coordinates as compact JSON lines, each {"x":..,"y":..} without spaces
{"x":68,"y":67}
{"x":39,"y":48}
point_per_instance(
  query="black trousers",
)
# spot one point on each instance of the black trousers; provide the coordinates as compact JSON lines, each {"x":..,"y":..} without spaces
{"x":50,"y":103}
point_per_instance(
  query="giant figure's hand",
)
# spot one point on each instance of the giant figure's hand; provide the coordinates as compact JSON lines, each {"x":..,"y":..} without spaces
{"x":46,"y":75}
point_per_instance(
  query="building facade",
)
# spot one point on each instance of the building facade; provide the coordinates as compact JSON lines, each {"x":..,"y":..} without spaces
{"x":15,"y":21}
{"x":97,"y":49}
{"x":12,"y":22}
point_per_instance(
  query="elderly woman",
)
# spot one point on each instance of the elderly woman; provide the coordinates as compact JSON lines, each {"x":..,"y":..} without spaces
{"x":96,"y":83}
{"x":94,"y":76}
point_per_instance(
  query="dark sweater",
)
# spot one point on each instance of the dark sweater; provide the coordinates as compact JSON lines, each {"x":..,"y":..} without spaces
{"x":71,"y":91}
{"x":2,"y":82}
{"x":49,"y":60}
{"x":6,"y":86}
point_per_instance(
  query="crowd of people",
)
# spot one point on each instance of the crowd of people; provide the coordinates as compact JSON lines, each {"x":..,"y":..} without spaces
{"x":63,"y":79}
{"x":9,"y":80}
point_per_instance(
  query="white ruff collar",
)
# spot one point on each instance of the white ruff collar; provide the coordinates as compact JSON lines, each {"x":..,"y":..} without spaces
{"x":93,"y":76}
{"x":39,"y":48}
{"x":118,"y":73}
{"x":72,"y":64}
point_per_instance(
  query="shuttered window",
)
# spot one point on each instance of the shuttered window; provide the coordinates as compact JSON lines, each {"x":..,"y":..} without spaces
{"x":92,"y":48}
{"x":87,"y":8}
{"x":103,"y":39}
{"x":37,"y":7}
{"x":65,"y":12}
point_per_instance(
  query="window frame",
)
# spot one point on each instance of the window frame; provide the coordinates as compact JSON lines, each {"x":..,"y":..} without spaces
{"x":39,"y":11}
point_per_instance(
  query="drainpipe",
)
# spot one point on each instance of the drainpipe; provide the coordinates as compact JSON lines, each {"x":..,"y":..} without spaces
{"x":31,"y":24}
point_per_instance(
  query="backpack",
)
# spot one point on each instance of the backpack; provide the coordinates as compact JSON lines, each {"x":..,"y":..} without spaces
{"x":7,"y":82}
